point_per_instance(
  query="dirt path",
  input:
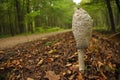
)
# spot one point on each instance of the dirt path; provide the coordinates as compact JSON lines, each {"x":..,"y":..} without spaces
{"x":12,"y":41}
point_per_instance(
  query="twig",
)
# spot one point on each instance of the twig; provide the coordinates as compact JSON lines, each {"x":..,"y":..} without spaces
{"x":103,"y":75}
{"x":114,"y":35}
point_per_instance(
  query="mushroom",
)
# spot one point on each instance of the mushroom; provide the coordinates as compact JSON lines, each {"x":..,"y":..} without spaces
{"x":82,"y":30}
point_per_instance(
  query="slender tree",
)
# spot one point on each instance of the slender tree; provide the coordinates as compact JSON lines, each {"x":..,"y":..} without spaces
{"x":110,"y":15}
{"x":118,"y":5}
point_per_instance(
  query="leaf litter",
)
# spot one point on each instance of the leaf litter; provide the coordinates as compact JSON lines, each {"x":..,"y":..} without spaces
{"x":55,"y":58}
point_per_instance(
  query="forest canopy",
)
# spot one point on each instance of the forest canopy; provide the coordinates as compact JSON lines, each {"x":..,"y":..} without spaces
{"x":29,"y":16}
{"x":19,"y":16}
{"x":106,"y":13}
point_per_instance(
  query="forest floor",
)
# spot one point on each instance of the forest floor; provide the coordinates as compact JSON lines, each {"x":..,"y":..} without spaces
{"x":55,"y":58}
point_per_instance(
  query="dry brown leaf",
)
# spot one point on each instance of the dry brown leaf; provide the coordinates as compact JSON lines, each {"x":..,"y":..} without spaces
{"x":8,"y":63}
{"x":69,"y":72}
{"x":52,"y":76}
{"x":27,"y":55}
{"x":74,"y":67}
{"x":79,"y":77}
{"x":100,"y":64}
{"x":72,"y":77}
{"x":111,"y":65}
{"x":40,"y":62}
{"x":94,"y":77}
{"x":1,"y":57}
{"x":2,"y":52}
{"x":56,"y":56}
{"x":76,"y":53}
{"x":91,"y":47}
{"x":12,"y":77}
{"x":57,"y":44}
{"x":94,"y":40}
{"x":44,"y":39}
{"x":109,"y":56}
{"x":16,"y":62}
{"x":103,"y":75}
{"x":69,"y":64}
{"x":52,"y":51}
{"x":50,"y":59}
{"x":63,"y":73}
{"x":30,"y":79}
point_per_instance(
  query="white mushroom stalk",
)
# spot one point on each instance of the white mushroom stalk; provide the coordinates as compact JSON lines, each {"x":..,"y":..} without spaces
{"x":82,"y":30}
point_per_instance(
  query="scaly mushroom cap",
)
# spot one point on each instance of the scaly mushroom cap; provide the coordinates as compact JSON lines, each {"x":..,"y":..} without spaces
{"x":82,"y":28}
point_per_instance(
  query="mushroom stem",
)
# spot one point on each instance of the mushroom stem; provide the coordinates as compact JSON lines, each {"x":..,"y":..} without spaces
{"x":81,"y":60}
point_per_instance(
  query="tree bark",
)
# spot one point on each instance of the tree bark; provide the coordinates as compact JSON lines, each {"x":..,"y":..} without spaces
{"x":30,"y":22}
{"x":19,"y":16}
{"x":118,"y":5}
{"x":110,"y":15}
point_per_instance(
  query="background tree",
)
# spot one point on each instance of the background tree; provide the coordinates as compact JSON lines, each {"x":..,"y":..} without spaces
{"x":21,"y":16}
{"x":105,"y":14}
{"x":110,"y":15}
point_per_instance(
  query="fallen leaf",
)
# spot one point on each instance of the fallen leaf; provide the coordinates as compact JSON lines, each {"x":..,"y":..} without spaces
{"x":69,"y":72}
{"x":94,"y":77}
{"x":103,"y":75}
{"x":69,"y":64}
{"x":109,"y":56}
{"x":57,"y":44}
{"x":52,"y":51}
{"x":63,"y":73}
{"x":72,"y":58}
{"x":8,"y":63}
{"x":100,"y":64}
{"x":50,"y":59}
{"x":40,"y":62}
{"x":30,"y":79}
{"x":52,"y":76}
{"x":44,"y":39}
{"x":27,"y":55}
{"x":12,"y":76}
{"x":74,"y":67}
{"x":79,"y":77}
{"x":2,"y":52}
{"x":72,"y":77}
{"x":56,"y":56}
{"x":16,"y":62}
{"x":1,"y":57}
{"x":111,"y":66}
{"x":76,"y":53}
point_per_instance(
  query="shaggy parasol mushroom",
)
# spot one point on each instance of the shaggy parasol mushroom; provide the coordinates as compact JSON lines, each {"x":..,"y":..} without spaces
{"x":82,"y":30}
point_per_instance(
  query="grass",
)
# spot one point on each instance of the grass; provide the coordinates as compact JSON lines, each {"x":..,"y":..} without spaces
{"x":4,"y":36}
{"x":102,"y":30}
{"x":38,"y":30}
{"x":47,"y":30}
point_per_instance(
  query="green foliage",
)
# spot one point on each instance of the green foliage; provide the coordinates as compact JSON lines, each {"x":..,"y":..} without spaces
{"x":21,"y":16}
{"x":46,"y":30}
{"x":38,"y":30}
{"x":98,"y":11}
{"x":33,"y":14}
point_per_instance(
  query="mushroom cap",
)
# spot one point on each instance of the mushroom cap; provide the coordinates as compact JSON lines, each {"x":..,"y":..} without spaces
{"x":82,"y":28}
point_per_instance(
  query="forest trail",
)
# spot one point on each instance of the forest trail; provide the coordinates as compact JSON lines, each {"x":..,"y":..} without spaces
{"x":12,"y":41}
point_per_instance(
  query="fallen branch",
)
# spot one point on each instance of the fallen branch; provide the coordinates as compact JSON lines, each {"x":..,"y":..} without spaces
{"x":114,"y":35}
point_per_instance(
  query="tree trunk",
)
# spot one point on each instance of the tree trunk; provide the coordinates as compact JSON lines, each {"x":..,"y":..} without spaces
{"x":118,"y":5}
{"x":10,"y":24}
{"x":110,"y":15}
{"x":18,"y":14}
{"x":29,"y":22}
